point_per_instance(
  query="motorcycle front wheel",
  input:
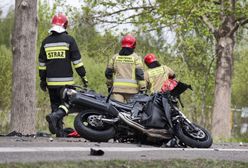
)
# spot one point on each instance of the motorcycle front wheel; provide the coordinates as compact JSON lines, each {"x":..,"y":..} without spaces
{"x":193,"y":135}
{"x":89,"y":126}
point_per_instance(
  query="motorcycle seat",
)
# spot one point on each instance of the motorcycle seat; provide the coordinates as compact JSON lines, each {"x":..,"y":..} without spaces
{"x":124,"y":106}
{"x":141,"y":98}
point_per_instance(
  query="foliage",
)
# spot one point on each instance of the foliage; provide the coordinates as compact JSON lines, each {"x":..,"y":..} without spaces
{"x":6,"y":25}
{"x":94,"y":45}
{"x":45,"y":13}
{"x":183,"y":14}
{"x":199,"y":72}
{"x":240,"y":77}
{"x":6,"y":28}
{"x":239,"y":86}
{"x":5,"y":83}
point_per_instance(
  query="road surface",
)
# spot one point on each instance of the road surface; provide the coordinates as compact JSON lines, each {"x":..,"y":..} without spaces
{"x":28,"y":149}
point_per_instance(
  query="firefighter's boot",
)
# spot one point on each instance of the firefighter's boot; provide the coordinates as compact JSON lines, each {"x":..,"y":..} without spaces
{"x":54,"y":120}
{"x":60,"y":131}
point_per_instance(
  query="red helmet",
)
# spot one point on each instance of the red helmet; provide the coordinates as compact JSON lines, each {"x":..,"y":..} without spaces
{"x":150,"y":58}
{"x":128,"y":41}
{"x":60,"y":20}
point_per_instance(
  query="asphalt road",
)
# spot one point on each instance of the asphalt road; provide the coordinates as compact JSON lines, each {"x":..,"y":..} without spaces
{"x":27,"y":149}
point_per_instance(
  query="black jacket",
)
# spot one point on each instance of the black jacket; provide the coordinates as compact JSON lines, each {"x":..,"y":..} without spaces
{"x":57,"y":54}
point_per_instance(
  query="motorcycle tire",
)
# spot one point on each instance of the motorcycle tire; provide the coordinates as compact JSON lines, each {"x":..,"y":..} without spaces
{"x":88,"y":131}
{"x":189,"y":139}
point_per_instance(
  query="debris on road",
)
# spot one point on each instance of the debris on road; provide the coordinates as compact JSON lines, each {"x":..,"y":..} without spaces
{"x":96,"y":152}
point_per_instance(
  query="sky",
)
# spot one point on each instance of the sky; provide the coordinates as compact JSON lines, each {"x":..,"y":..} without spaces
{"x":5,"y":4}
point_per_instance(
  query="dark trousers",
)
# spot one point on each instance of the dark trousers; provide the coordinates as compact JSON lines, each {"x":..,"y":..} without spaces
{"x":55,"y":100}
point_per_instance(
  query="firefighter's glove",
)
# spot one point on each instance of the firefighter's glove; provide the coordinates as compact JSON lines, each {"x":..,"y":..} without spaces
{"x":85,"y":81}
{"x":43,"y":85}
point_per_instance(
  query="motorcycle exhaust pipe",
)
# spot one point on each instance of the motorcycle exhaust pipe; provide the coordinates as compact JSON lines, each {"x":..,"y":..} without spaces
{"x":90,"y":102}
{"x":150,"y":132}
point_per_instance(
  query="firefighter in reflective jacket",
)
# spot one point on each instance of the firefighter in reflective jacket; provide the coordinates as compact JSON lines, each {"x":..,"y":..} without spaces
{"x":156,"y":73}
{"x":58,"y":53}
{"x":125,"y":71}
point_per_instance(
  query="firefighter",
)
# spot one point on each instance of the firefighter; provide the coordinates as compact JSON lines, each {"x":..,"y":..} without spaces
{"x":156,"y":73}
{"x":58,"y":53}
{"x":125,"y":71}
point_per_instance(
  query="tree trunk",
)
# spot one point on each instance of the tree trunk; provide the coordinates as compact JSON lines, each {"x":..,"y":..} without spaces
{"x":221,"y":121}
{"x":24,"y":67}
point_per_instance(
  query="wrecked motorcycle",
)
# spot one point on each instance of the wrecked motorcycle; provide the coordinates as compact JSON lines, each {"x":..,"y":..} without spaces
{"x":144,"y":119}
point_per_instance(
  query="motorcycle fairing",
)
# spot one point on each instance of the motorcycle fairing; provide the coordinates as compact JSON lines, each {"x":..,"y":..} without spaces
{"x":167,"y":109}
{"x":97,"y":103}
{"x":153,"y":114}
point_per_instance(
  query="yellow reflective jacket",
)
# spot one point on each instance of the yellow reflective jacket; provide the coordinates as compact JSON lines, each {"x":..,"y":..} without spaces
{"x":128,"y":74}
{"x":155,"y":77}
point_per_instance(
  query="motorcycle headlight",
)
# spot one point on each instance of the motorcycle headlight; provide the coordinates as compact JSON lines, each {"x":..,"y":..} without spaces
{"x":63,"y":93}
{"x":67,"y":92}
{"x":71,"y":92}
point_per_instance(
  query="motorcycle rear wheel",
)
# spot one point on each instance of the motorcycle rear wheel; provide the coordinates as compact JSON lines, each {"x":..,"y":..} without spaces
{"x":199,"y":138}
{"x":92,"y":129}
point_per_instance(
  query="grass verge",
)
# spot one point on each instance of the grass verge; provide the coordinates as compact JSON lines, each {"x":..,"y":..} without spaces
{"x":199,"y":163}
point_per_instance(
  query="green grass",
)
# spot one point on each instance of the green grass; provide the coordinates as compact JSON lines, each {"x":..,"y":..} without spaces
{"x":69,"y":120}
{"x":243,"y":139}
{"x":199,"y":163}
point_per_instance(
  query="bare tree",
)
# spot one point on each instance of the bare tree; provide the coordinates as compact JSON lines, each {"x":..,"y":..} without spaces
{"x":24,"y":67}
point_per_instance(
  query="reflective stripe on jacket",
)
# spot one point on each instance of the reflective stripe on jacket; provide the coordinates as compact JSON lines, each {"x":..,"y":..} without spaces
{"x":125,"y":71}
{"x":58,"y":53}
{"x":60,"y":81}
